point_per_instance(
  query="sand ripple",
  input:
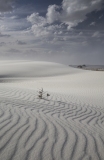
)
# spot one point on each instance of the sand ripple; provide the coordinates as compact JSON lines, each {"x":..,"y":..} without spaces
{"x":68,"y":125}
{"x":52,"y":129}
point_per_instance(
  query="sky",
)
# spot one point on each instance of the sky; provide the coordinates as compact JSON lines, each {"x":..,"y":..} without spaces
{"x":64,"y":31}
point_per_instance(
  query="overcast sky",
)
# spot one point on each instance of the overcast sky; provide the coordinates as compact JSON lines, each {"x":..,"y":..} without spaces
{"x":64,"y":31}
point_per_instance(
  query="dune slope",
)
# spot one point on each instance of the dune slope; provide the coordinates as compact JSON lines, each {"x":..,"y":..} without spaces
{"x":67,"y":125}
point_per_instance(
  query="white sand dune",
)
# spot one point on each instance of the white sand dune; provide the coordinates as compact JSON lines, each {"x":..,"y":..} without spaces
{"x":68,"y":125}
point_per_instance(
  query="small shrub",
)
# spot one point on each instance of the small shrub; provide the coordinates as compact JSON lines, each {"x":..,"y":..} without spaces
{"x":41,"y":93}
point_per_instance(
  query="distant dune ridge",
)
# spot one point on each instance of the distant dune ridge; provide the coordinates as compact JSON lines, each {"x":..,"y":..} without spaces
{"x":67,"y":125}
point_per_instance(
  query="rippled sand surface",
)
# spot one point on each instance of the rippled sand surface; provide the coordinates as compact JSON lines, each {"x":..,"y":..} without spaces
{"x":67,"y":125}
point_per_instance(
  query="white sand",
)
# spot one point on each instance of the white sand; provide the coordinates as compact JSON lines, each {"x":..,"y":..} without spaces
{"x":68,"y":125}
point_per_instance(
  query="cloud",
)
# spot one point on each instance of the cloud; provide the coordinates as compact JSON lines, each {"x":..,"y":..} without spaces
{"x":35,"y":19}
{"x":92,"y":24}
{"x":2,"y":44}
{"x":20,"y":42}
{"x":4,"y":35}
{"x":73,"y":11}
{"x":5,"y":5}
{"x":52,"y":33}
{"x":47,"y":31}
{"x":2,"y":27}
{"x":80,"y":33}
{"x":96,"y":34}
{"x":69,"y":14}
{"x":38,"y":25}
{"x":84,"y":43}
{"x":12,"y":50}
{"x":14,"y":17}
{"x":101,"y":16}
{"x":41,"y":27}
{"x":53,"y":14}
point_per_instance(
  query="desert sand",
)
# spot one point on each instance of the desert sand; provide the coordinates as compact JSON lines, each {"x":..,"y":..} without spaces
{"x":67,"y":125}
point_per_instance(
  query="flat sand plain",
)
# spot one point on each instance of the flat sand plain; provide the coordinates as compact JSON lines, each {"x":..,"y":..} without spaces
{"x":67,"y":125}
